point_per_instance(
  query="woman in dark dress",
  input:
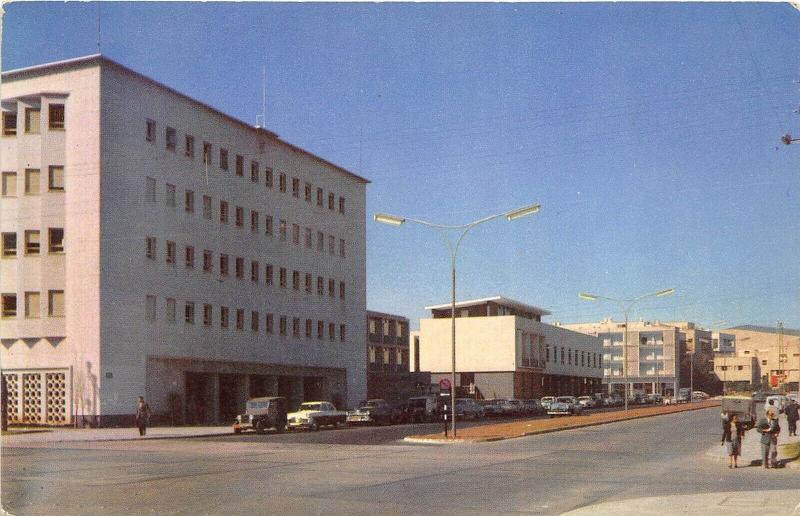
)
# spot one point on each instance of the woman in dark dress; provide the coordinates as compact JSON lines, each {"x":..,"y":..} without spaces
{"x":732,"y":435}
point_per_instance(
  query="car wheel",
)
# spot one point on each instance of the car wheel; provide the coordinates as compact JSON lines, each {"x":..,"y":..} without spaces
{"x":279,"y":428}
{"x":314,"y":426}
{"x":260,"y":427}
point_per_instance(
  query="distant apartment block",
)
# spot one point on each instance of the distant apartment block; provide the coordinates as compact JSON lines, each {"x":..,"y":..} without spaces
{"x":153,"y":245}
{"x":388,"y":373}
{"x":504,"y":350}
{"x":776,"y":350}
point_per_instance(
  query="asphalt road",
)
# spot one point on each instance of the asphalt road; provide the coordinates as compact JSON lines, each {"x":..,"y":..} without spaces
{"x":549,"y":473}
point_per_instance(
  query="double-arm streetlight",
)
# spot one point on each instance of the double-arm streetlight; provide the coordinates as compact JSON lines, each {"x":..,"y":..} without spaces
{"x":626,"y":305}
{"x":444,"y":231}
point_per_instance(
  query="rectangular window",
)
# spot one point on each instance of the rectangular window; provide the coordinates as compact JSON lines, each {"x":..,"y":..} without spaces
{"x":208,"y":261}
{"x":331,"y":331}
{"x":189,"y":201}
{"x":296,"y":234}
{"x":254,"y":221}
{"x":223,"y":212}
{"x":32,"y":242}
{"x":188,"y":312}
{"x":223,"y":316}
{"x":239,"y":267}
{"x":223,"y":264}
{"x":150,"y":248}
{"x":331,"y":198}
{"x":320,"y":286}
{"x":170,"y":253}
{"x":32,"y":301}
{"x":9,"y":184}
{"x":239,"y":319}
{"x":170,"y":195}
{"x":254,"y":321}
{"x":9,"y":123}
{"x":309,"y":236}
{"x":319,"y":196}
{"x":150,"y":308}
{"x":320,"y":329}
{"x":206,"y":153}
{"x":269,"y":323}
{"x":55,"y":178}
{"x":150,"y":130}
{"x":282,"y":277}
{"x":341,"y":290}
{"x":172,"y":139}
{"x":268,"y":177}
{"x":343,"y":337}
{"x":282,"y":182}
{"x":282,"y":325}
{"x":254,"y":171}
{"x":32,"y":116}
{"x":320,"y":241}
{"x":170,"y":310}
{"x":9,"y":305}
{"x":341,"y":247}
{"x":254,"y":268}
{"x":55,"y":240}
{"x":331,"y":287}
{"x":223,"y":159}
{"x":308,"y":283}
{"x":55,"y":116}
{"x":309,"y":330}
{"x":296,"y":327}
{"x":268,"y":274}
{"x":149,"y":189}
{"x":331,"y":245}
{"x":207,"y":211}
{"x":32,"y":181}
{"x":307,"y":192}
{"x":295,"y":187}
{"x":239,"y":166}
{"x":239,"y":217}
{"x":189,"y":257}
{"x":208,"y":315}
{"x":189,"y":146}
{"x":341,"y":205}
{"x":282,"y":230}
{"x":268,"y":225}
{"x":296,"y":280}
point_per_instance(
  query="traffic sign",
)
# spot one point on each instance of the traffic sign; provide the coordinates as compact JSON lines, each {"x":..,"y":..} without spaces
{"x":444,"y":384}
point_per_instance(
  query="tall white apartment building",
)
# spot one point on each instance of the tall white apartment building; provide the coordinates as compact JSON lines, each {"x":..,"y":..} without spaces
{"x":153,"y":245}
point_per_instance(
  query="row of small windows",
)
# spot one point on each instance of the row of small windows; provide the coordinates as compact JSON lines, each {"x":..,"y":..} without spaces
{"x":225,"y":260}
{"x":171,"y":143}
{"x":55,"y":181}
{"x":235,"y":318}
{"x":573,"y":357}
{"x":400,"y":328}
{"x":305,"y":233}
{"x":33,"y":304}
{"x":383,"y":356}
{"x":55,"y":120}
{"x":32,"y":247}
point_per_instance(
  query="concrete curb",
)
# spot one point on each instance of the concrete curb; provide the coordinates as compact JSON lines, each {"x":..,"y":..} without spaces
{"x":430,"y":440}
{"x":10,"y":442}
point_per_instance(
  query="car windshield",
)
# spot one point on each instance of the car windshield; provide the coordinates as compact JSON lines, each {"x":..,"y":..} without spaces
{"x":311,"y":406}
{"x":252,"y":405}
{"x":563,"y":399}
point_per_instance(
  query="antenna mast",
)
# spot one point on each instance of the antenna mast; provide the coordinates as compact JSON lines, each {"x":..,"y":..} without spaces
{"x":261,"y":120}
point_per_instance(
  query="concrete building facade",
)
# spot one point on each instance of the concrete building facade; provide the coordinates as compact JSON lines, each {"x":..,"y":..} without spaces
{"x":776,"y":350}
{"x":503,"y":350}
{"x":737,"y":373}
{"x":153,"y":245}
{"x":388,"y":373}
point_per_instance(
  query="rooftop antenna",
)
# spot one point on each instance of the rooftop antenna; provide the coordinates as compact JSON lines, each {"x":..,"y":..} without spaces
{"x":261,"y":120}
{"x":98,"y":27}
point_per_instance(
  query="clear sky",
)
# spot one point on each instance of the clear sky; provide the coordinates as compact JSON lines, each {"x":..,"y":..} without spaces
{"x":648,"y":132}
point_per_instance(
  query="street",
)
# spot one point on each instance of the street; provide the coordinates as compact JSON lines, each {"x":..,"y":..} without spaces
{"x":302,"y":473}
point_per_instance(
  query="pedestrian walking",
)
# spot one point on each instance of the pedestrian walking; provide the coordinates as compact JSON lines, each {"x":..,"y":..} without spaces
{"x":769,"y":429}
{"x":792,"y":412}
{"x":732,"y":435}
{"x":142,"y":415}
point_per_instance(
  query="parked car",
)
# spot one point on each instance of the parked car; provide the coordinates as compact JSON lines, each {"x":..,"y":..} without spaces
{"x":532,"y":407}
{"x":376,"y":411}
{"x":683,"y":395}
{"x":586,"y":401}
{"x":655,"y":399}
{"x":779,"y":401}
{"x":565,"y":406}
{"x":467,"y":408}
{"x":262,"y":414}
{"x":314,"y":414}
{"x":700,"y":395}
{"x":422,"y":409}
{"x":547,"y":401}
{"x":492,"y":408}
{"x":511,"y":407}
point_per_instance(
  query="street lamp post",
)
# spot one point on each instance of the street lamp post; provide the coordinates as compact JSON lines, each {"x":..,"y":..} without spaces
{"x":394,"y":220}
{"x":626,"y":305}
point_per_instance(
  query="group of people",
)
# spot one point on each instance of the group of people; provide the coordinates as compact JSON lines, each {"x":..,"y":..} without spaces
{"x":733,"y":431}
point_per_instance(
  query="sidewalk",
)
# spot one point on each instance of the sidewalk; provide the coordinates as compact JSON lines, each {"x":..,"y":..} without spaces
{"x":751,"y":448}
{"x":526,"y":427}
{"x":59,"y":435}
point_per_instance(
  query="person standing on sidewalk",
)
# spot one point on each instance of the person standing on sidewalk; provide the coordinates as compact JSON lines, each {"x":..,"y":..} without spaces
{"x":769,"y":429}
{"x":142,"y":415}
{"x":732,"y":435}
{"x":792,"y":412}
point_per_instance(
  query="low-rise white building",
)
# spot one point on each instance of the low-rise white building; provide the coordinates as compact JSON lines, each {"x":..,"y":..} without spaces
{"x":503,"y":350}
{"x":153,"y":245}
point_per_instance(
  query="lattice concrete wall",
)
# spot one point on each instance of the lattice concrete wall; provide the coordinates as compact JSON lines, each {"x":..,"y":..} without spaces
{"x":40,"y":397}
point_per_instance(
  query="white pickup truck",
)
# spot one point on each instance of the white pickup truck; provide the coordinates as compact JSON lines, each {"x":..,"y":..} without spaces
{"x":314,"y":414}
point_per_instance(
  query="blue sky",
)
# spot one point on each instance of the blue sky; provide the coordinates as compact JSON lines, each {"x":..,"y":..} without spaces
{"x":648,"y":132}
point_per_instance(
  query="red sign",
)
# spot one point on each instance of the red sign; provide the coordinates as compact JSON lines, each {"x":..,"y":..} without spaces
{"x":444,"y":384}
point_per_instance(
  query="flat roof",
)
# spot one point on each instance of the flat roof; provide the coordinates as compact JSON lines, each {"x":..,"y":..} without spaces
{"x":101,"y":59}
{"x":500,"y":300}
{"x":373,"y":313}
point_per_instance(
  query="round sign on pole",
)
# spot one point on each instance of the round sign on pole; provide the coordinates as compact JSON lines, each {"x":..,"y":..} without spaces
{"x":444,"y":384}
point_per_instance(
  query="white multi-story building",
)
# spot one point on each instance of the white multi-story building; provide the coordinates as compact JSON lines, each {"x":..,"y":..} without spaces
{"x":153,"y":245}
